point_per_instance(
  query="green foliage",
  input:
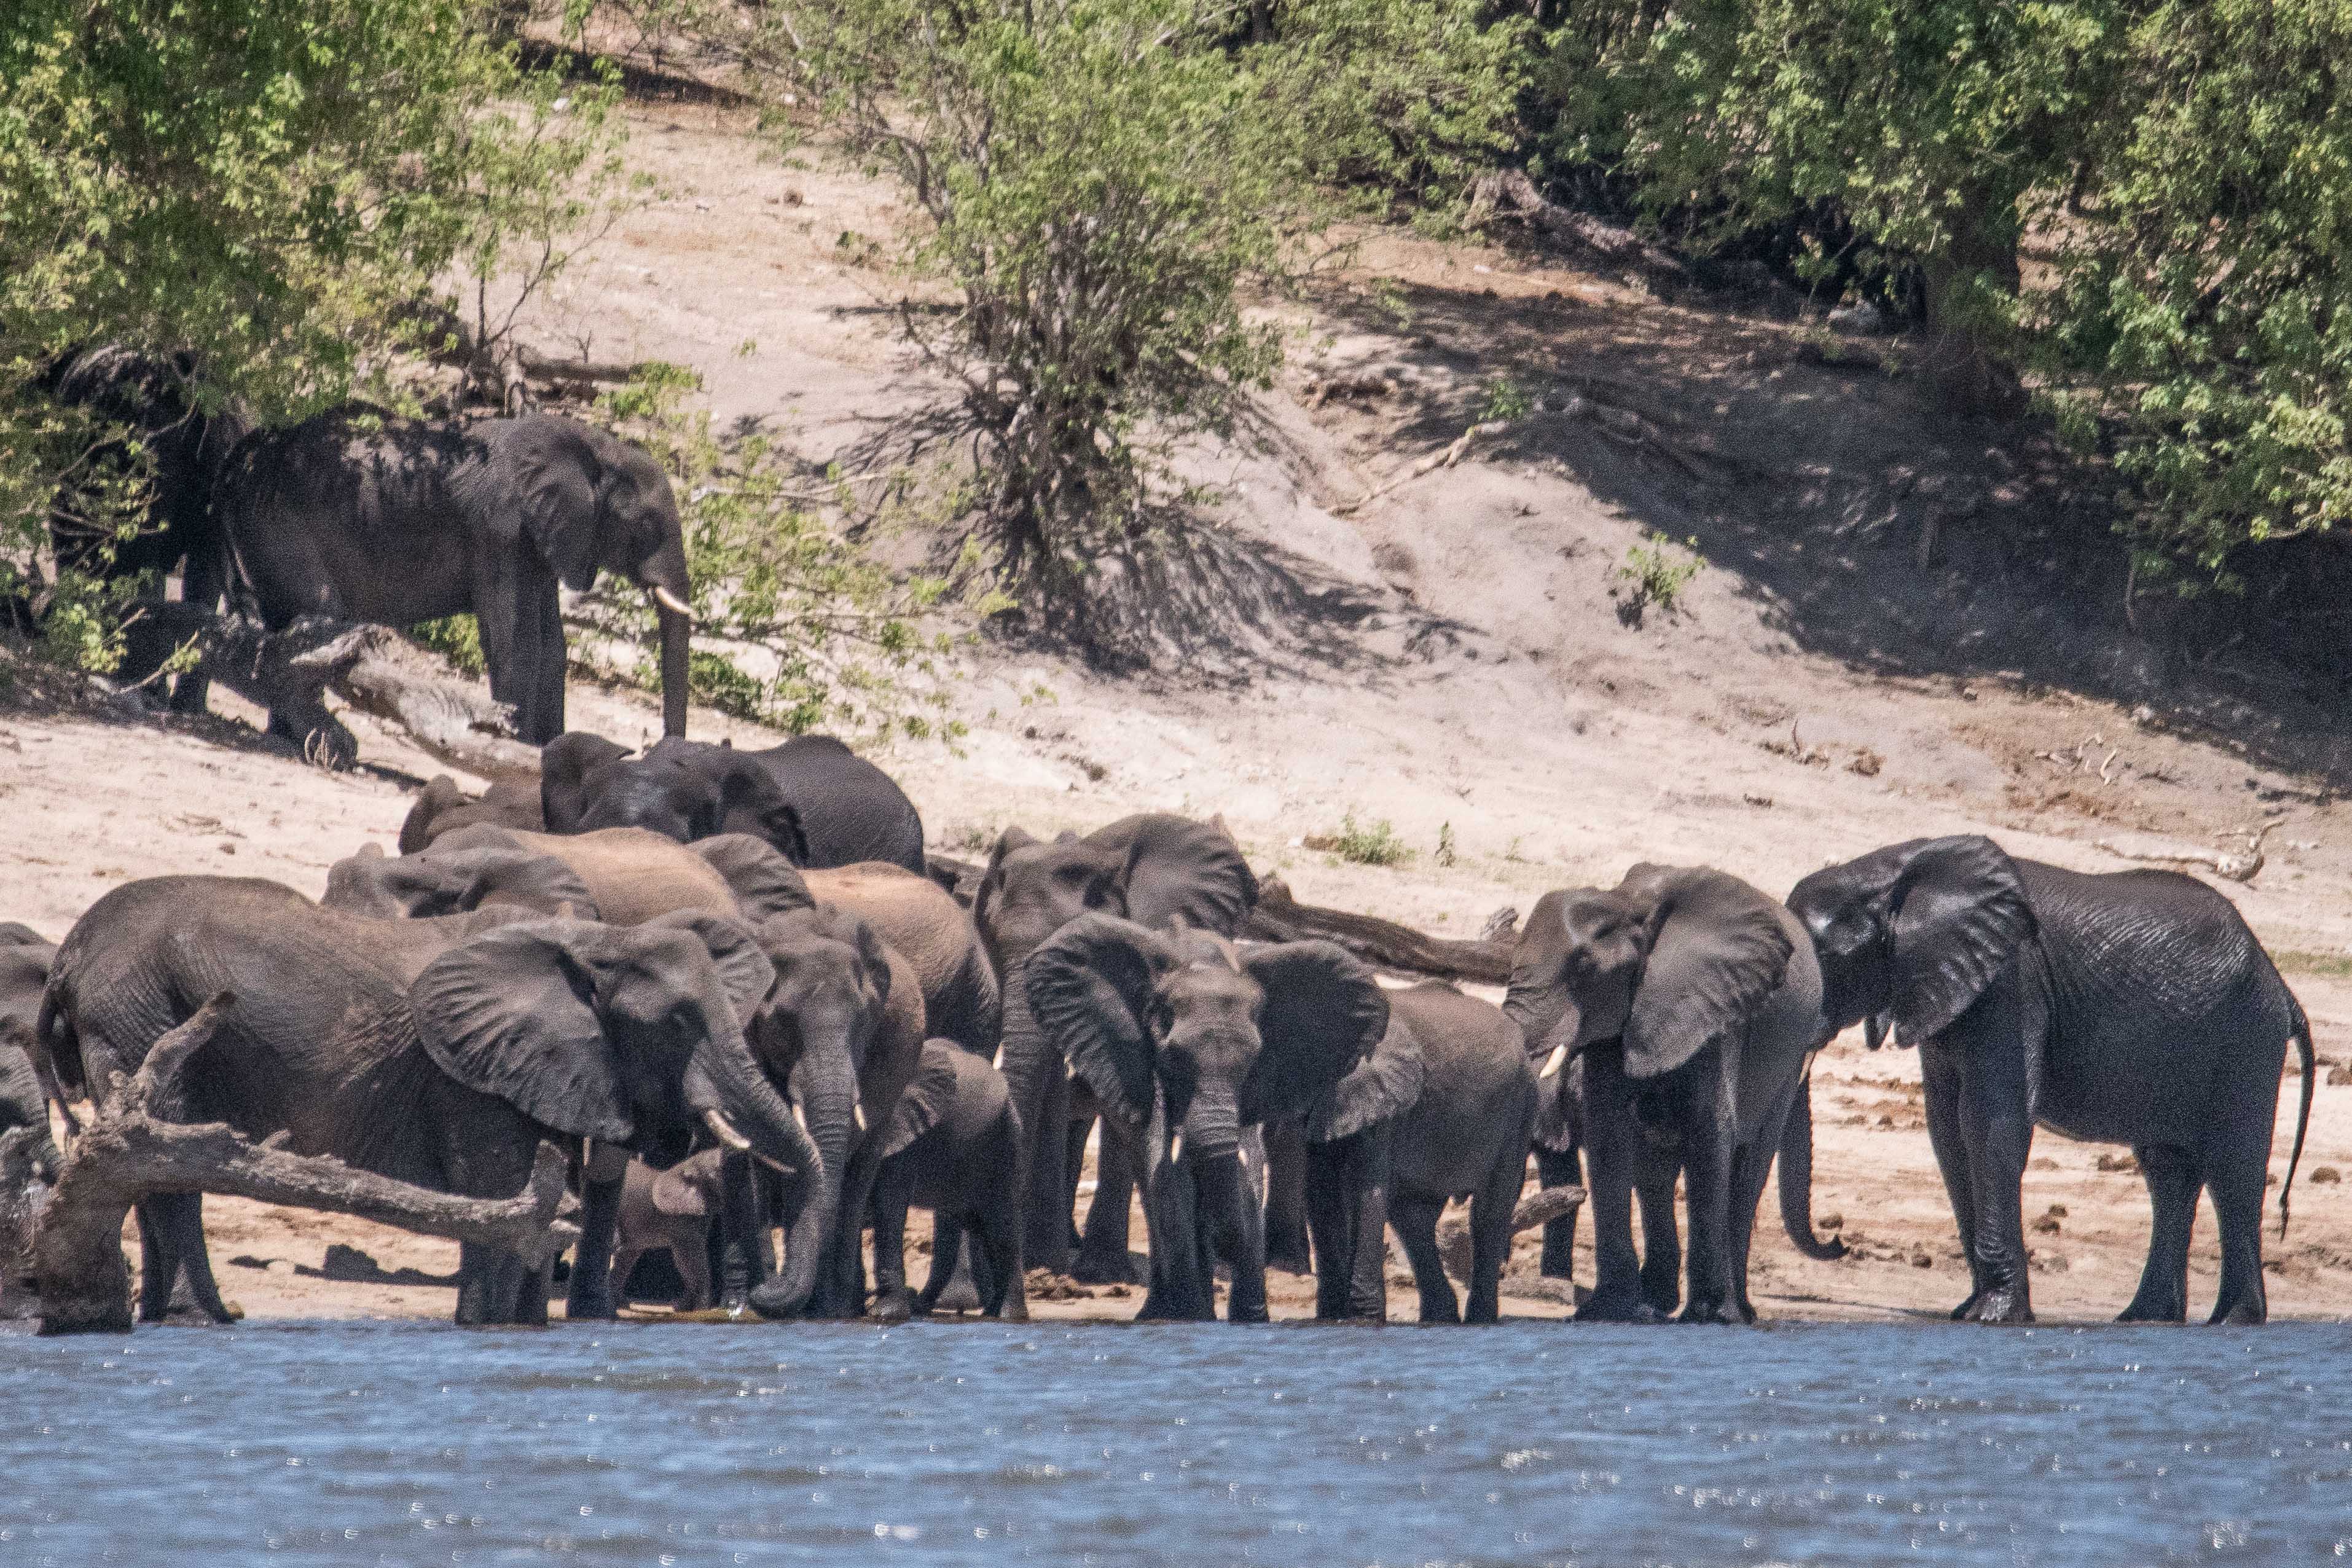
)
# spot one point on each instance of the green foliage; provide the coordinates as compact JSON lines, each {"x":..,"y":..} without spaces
{"x":457,"y":638}
{"x":1368,"y":844}
{"x":1099,"y":182}
{"x":274,"y":183}
{"x":1657,"y":577}
{"x":793,"y":626}
{"x":1505,"y":400}
{"x":1445,"y":854}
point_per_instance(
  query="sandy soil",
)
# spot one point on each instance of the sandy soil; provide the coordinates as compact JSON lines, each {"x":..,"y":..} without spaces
{"x":1817,"y":691}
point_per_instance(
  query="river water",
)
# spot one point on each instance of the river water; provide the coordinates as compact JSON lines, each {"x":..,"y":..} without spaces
{"x":1058,"y":1442}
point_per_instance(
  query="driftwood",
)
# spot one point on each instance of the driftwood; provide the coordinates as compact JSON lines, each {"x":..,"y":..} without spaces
{"x":1280,"y":918}
{"x":1511,"y":193}
{"x":23,"y":1197}
{"x":1539,"y":1207}
{"x":1445,"y":460}
{"x":291,"y":672}
{"x":130,"y":1151}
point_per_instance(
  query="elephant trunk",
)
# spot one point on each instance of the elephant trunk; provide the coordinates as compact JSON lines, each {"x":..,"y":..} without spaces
{"x":727,"y":1081}
{"x":674,"y":626}
{"x":1034,"y":1073}
{"x":1796,"y":1179}
{"x":827,"y":1085}
{"x":1213,"y":1123}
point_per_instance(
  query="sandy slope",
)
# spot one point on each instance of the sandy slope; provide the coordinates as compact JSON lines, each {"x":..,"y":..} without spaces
{"x":1816,"y":694}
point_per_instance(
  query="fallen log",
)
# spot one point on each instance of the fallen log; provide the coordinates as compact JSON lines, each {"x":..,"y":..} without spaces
{"x":129,"y":1152}
{"x":289,"y":672}
{"x":1281,"y":918}
{"x":1539,"y":1207}
{"x":24,"y":1198}
{"x":1511,"y":193}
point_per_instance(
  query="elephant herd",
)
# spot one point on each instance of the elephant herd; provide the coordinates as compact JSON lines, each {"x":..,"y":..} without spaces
{"x":725,"y":984}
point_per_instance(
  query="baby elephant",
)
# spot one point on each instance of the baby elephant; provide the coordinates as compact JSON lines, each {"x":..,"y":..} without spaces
{"x":954,"y":1149}
{"x":670,"y":1208}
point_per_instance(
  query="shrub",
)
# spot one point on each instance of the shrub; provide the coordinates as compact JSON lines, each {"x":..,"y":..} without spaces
{"x":1368,"y":844}
{"x":1658,"y":578}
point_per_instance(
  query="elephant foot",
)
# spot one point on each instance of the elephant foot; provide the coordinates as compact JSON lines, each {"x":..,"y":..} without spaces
{"x":1120,"y":1271}
{"x":2245,"y":1313}
{"x":2003,"y":1307}
{"x":891,"y":1307}
{"x":191,"y":1317}
{"x":1599,"y":1308}
{"x":1724,"y":1314}
{"x":773,"y":1303}
{"x":590,"y":1307}
{"x":2144,"y":1312}
{"x":1015,"y":1312}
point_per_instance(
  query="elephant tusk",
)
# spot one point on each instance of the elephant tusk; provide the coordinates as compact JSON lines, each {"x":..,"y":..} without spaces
{"x":1176,"y":1148}
{"x":776,"y":1165}
{"x":999,"y":1063}
{"x":858,"y":1114}
{"x":724,"y":1131}
{"x":802,"y":1117}
{"x":670,"y":602}
{"x":1551,"y":1068}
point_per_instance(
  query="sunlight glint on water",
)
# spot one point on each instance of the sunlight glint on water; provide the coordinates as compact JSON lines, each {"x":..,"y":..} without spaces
{"x":940,"y":1444}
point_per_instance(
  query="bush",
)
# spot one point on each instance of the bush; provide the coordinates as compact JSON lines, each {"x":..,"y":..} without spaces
{"x":1370,"y":843}
{"x":1658,"y":578}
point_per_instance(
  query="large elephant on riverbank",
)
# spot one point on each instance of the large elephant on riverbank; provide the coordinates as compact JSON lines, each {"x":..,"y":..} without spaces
{"x":2134,"y":1007}
{"x":1690,"y":1003}
{"x":1189,"y":1045}
{"x":1156,"y":870}
{"x":437,"y":1052}
{"x":396,"y":521}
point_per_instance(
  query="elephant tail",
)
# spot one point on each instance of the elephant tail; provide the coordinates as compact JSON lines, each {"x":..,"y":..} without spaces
{"x":1797,"y":1177}
{"x":2303,"y":1120}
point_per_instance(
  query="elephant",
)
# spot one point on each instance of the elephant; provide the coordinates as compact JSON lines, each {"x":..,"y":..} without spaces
{"x":954,"y":1149}
{"x":628,"y":876}
{"x":396,"y":521}
{"x":28,"y":1086}
{"x":438,"y":1051}
{"x":843,"y":1027}
{"x":587,"y":783}
{"x":1441,"y":1109}
{"x":2132,"y":1007}
{"x":152,"y":397}
{"x":913,"y":915}
{"x":1691,"y":1003}
{"x":456,"y":880}
{"x":1190,"y":1045}
{"x":848,"y":810}
{"x":671,"y":1208}
{"x":442,"y":808}
{"x":1155,"y":870}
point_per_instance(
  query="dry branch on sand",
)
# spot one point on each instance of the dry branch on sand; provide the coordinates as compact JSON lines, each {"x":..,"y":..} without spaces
{"x":289,"y":672}
{"x":1539,"y":1207}
{"x":127,"y":1153}
{"x":2233,"y":867}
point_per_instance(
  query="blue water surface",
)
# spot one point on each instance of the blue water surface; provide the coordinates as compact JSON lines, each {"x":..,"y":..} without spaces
{"x":1059,"y":1443}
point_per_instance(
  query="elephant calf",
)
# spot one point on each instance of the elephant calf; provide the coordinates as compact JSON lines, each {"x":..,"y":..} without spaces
{"x":954,"y":1149}
{"x":671,"y":1208}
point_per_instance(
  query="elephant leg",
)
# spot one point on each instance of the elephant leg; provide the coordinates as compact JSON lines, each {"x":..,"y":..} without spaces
{"x":997,"y":1238}
{"x":547,"y":683}
{"x":1368,"y":1281}
{"x":2236,"y":1178}
{"x":893,"y":1189}
{"x":515,"y":606}
{"x":1287,"y":1223}
{"x":1490,"y":1237}
{"x":1414,"y":1215}
{"x":589,"y":1295}
{"x":2173,"y":1182}
{"x":1941,"y":1078}
{"x":1559,"y":1170}
{"x":1102,"y":1253}
{"x":742,"y":1235}
{"x":1180,"y":1290}
{"x":1662,"y":1241}
{"x":1045,"y":1233}
{"x":1751,"y":1168}
{"x":485,"y":1285}
{"x":1611,"y":1158}
{"x":948,"y":1262}
{"x":689,"y":1248}
{"x":1709,"y":1154}
{"x":157,"y":1271}
{"x":1332,"y":1177}
{"x":181,"y":1287}
{"x":1999,"y":1132}
{"x":202,"y":582}
{"x":625,"y":1263}
{"x":532,"y":1283}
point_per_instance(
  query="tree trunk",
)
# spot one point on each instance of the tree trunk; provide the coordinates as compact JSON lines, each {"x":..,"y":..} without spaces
{"x":1969,"y":375}
{"x":125,"y":1154}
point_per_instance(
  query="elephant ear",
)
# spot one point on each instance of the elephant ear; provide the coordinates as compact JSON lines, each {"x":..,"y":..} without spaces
{"x":928,"y":1100}
{"x":735,"y":953}
{"x":13,"y":934}
{"x":416,"y":829}
{"x":1960,"y":912}
{"x":1174,"y":868}
{"x":764,"y":883}
{"x":564,"y":765}
{"x":1717,"y":953}
{"x":513,"y":1014}
{"x":1324,"y":1013}
{"x":485,"y":877}
{"x":750,"y":801}
{"x":677,"y":1194}
{"x":556,"y":496}
{"x":1380,"y":1086}
{"x":1090,"y":990}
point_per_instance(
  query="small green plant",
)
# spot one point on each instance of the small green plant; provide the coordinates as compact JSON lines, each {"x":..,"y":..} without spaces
{"x":1657,"y":577}
{"x":457,"y":638}
{"x":1445,"y":854}
{"x":1370,"y":843}
{"x":1506,"y":400}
